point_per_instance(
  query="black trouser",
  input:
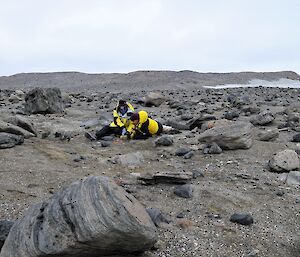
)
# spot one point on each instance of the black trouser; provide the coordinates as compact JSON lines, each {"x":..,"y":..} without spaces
{"x":107,"y":131}
{"x":145,"y":135}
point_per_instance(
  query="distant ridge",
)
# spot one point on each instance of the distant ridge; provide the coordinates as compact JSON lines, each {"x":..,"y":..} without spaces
{"x":138,"y":80}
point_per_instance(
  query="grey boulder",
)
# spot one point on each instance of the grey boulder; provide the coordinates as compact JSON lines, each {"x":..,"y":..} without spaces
{"x":8,"y":140}
{"x":40,"y":100}
{"x":284,"y":161}
{"x":235,"y":135}
{"x":263,"y":118}
{"x":154,"y":99}
{"x":91,"y":217}
{"x":268,"y":135}
{"x":23,"y":123}
{"x":13,"y":129}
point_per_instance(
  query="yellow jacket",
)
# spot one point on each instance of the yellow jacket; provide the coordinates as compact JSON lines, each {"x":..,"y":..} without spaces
{"x":146,"y":125}
{"x":119,"y":120}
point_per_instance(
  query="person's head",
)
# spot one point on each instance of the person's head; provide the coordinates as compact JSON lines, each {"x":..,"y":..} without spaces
{"x":122,"y":107}
{"x":135,"y":118}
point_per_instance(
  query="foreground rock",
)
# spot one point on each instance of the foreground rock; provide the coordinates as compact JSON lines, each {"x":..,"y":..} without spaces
{"x":8,"y":140}
{"x":5,"y":227}
{"x":292,"y":178}
{"x":236,"y":135}
{"x":91,"y":217}
{"x":48,"y":100}
{"x":284,"y":161}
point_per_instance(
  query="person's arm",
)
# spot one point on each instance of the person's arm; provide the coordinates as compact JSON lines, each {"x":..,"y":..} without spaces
{"x":117,"y":119}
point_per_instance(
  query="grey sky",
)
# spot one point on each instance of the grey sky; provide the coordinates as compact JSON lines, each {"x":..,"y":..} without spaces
{"x":128,"y":35}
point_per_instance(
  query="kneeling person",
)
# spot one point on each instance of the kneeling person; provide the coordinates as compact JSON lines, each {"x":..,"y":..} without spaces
{"x":143,"y":127}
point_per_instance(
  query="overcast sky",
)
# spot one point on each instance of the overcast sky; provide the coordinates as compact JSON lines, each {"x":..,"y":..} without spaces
{"x":127,"y":35}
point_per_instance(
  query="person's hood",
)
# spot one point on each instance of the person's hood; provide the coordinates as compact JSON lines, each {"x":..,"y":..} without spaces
{"x":143,"y":116}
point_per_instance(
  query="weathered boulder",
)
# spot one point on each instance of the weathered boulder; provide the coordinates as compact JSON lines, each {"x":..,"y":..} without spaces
{"x":263,"y":118}
{"x":8,"y":140}
{"x":12,"y":129}
{"x":22,"y":122}
{"x":284,"y":161}
{"x":48,"y":100}
{"x":235,"y":135}
{"x":91,"y":217}
{"x":5,"y":226}
{"x":154,"y":98}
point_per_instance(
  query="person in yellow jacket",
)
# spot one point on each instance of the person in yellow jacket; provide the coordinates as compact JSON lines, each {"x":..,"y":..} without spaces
{"x":143,"y":127}
{"x":118,"y":127}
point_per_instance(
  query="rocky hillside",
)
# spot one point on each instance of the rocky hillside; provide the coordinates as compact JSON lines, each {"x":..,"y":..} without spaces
{"x":140,"y":80}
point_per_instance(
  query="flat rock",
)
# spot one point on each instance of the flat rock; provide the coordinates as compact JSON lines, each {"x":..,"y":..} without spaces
{"x":91,"y":217}
{"x":235,"y":135}
{"x":172,"y":177}
{"x":284,"y":161}
{"x":8,"y":140}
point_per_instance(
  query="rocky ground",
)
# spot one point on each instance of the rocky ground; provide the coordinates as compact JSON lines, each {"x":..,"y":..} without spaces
{"x":233,"y":181}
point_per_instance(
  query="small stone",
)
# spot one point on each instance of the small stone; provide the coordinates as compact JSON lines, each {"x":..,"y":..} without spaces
{"x":189,"y":155}
{"x":164,"y":141}
{"x":241,"y":218}
{"x":157,"y":216}
{"x":184,"y":191}
{"x":105,"y":144}
{"x":197,"y":173}
{"x":296,"y":138}
{"x":182,"y":151}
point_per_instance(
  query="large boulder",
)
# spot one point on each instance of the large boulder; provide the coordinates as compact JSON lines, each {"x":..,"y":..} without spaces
{"x":40,"y":100}
{"x":235,"y":135}
{"x":13,"y":129}
{"x":8,"y":140}
{"x":92,"y":217}
{"x":284,"y":161}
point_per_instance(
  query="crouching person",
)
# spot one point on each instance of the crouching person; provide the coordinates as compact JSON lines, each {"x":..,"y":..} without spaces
{"x":118,"y":127}
{"x":143,"y":127}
